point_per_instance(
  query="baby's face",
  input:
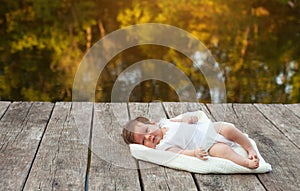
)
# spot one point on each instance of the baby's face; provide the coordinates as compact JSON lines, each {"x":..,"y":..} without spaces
{"x":148,"y":135}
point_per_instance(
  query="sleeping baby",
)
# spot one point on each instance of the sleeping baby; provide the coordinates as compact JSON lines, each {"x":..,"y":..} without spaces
{"x":189,"y":136}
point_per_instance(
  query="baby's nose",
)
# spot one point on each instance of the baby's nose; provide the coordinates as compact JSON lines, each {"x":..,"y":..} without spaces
{"x":148,"y":136}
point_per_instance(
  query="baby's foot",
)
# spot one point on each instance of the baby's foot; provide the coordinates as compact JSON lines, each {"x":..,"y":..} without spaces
{"x":252,"y":154}
{"x":253,"y":163}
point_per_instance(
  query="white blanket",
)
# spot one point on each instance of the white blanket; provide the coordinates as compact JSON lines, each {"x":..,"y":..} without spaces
{"x":193,"y":164}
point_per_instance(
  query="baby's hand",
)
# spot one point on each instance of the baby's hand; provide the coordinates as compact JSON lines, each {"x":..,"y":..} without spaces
{"x":200,"y":153}
{"x":187,"y":119}
{"x":192,"y":119}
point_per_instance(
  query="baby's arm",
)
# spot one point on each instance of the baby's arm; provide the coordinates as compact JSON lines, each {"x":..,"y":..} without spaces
{"x":187,"y":119}
{"x":198,"y":153}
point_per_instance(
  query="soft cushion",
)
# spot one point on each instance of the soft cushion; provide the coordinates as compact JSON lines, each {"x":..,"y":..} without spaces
{"x":193,"y":164}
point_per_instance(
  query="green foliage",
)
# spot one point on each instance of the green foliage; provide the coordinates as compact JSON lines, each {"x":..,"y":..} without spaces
{"x":42,"y":43}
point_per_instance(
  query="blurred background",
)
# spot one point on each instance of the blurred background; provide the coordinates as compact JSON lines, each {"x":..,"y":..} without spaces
{"x":256,"y":44}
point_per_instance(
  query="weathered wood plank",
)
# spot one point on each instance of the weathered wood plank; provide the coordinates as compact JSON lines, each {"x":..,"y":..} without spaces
{"x":155,"y":177}
{"x":295,"y":108}
{"x":112,"y":166}
{"x":285,"y":120}
{"x":273,"y":145}
{"x":61,"y":161}
{"x":3,"y":107}
{"x":57,"y":158}
{"x":212,"y":181}
{"x":21,"y":130}
{"x":176,"y":108}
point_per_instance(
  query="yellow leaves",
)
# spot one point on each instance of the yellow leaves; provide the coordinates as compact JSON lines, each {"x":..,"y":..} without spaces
{"x":260,"y":12}
{"x":52,"y":36}
{"x":161,"y":18}
{"x":203,"y":36}
{"x":34,"y":95}
{"x":295,"y":97}
{"x":214,"y":41}
{"x":26,"y":41}
{"x":89,"y":23}
{"x":19,"y":15}
{"x":136,"y":14}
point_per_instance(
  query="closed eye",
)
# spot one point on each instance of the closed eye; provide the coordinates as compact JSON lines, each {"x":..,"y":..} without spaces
{"x":147,"y":131}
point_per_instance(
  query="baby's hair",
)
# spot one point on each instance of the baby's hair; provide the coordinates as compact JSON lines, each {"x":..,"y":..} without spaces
{"x":128,"y":129}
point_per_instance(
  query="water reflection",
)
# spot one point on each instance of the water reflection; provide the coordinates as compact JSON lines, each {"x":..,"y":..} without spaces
{"x":251,"y":41}
{"x":192,"y":53}
{"x":156,"y":70}
{"x":285,"y":76}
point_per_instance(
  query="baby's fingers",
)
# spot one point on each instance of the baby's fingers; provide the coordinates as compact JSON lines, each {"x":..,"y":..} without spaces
{"x":193,"y":119}
{"x":203,"y":157}
{"x":201,"y":153}
{"x":204,"y":154}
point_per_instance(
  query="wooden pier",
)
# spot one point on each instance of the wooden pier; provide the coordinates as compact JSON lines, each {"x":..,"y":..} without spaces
{"x":43,"y":148}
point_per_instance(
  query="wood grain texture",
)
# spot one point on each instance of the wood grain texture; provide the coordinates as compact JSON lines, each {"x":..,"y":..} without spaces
{"x":21,"y":130}
{"x":45,"y":147}
{"x":286,"y":122}
{"x":3,"y":107}
{"x":295,"y":108}
{"x":61,"y":161}
{"x":112,"y":166}
{"x":213,"y":181}
{"x":156,"y":177}
{"x":273,"y":145}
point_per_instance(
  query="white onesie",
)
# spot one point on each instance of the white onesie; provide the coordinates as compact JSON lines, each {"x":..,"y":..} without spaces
{"x":190,"y":136}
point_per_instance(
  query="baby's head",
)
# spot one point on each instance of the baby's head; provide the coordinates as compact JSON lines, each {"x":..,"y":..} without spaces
{"x":129,"y":129}
{"x":142,"y":131}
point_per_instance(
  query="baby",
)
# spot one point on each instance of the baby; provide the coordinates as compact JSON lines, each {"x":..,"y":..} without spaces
{"x":189,"y":137}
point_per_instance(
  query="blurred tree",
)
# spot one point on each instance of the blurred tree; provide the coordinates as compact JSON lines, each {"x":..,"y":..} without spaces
{"x":256,"y":43}
{"x":251,"y":39}
{"x":44,"y":42}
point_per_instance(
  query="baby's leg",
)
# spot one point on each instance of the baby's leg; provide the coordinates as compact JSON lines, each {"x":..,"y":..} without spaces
{"x":229,"y":131}
{"x":222,"y":150}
